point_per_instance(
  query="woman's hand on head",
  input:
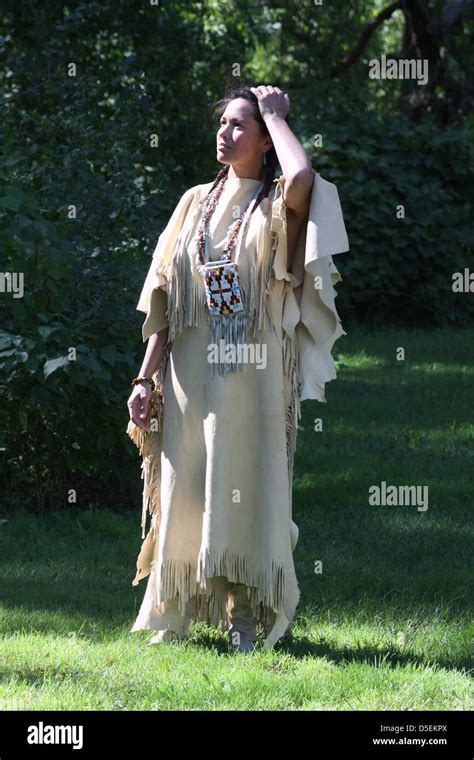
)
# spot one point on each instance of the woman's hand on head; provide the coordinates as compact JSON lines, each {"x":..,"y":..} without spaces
{"x":272,"y":101}
{"x":139,"y":405}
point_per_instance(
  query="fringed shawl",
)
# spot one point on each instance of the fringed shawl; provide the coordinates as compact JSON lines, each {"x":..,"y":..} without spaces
{"x":308,"y":311}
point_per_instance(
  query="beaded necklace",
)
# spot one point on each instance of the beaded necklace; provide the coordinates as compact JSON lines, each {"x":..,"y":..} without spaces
{"x":224,"y":296}
{"x":232,"y":234}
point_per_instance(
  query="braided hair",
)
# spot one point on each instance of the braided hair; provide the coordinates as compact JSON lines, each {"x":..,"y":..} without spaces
{"x":270,"y":167}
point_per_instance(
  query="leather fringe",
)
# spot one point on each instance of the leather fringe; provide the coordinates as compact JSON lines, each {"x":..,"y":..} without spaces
{"x":233,"y":330}
{"x":262,"y":277}
{"x":293,"y":411}
{"x":265,"y":590}
{"x":186,"y":293}
{"x":265,"y":587}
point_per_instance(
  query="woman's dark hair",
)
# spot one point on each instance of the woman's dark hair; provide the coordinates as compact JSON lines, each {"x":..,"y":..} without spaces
{"x":269,"y":169}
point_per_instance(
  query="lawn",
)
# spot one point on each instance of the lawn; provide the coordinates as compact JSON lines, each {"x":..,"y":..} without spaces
{"x":384,"y":626}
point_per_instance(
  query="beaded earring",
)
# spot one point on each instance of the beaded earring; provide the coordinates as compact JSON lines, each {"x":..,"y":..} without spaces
{"x":264,"y":159}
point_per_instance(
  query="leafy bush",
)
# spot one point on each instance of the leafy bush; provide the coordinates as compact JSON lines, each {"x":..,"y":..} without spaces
{"x":63,"y":415}
{"x":399,"y":270}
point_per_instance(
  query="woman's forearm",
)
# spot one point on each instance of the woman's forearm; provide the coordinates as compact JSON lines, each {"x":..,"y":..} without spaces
{"x":292,"y":157}
{"x":154,"y":353}
{"x":295,"y":164}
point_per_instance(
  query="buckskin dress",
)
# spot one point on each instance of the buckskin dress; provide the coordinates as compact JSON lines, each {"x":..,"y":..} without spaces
{"x":218,"y":471}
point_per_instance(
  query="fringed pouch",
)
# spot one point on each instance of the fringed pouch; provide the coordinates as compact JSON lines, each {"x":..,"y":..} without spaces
{"x":149,"y":444}
{"x":227,"y":313}
{"x":222,"y":284}
{"x":155,"y":410}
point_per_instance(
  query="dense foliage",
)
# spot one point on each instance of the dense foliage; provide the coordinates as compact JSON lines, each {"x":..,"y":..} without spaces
{"x":86,"y":192}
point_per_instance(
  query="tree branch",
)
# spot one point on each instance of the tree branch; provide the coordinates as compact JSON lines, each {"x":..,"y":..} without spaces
{"x":368,"y":31}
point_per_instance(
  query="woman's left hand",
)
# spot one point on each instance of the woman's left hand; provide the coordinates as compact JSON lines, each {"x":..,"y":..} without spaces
{"x":272,"y":101}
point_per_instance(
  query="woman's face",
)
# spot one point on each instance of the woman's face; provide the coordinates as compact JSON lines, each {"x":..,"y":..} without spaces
{"x":239,"y":140}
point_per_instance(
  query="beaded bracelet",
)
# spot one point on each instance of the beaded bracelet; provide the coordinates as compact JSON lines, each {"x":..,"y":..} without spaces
{"x":150,"y":380}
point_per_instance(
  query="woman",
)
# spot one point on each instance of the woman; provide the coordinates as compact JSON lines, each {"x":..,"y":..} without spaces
{"x":236,"y":349}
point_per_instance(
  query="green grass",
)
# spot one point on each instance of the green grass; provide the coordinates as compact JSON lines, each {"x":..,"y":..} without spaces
{"x":385,"y":626}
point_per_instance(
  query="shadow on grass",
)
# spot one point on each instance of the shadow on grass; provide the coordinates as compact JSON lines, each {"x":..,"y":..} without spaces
{"x":299,"y":646}
{"x":302,"y":647}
